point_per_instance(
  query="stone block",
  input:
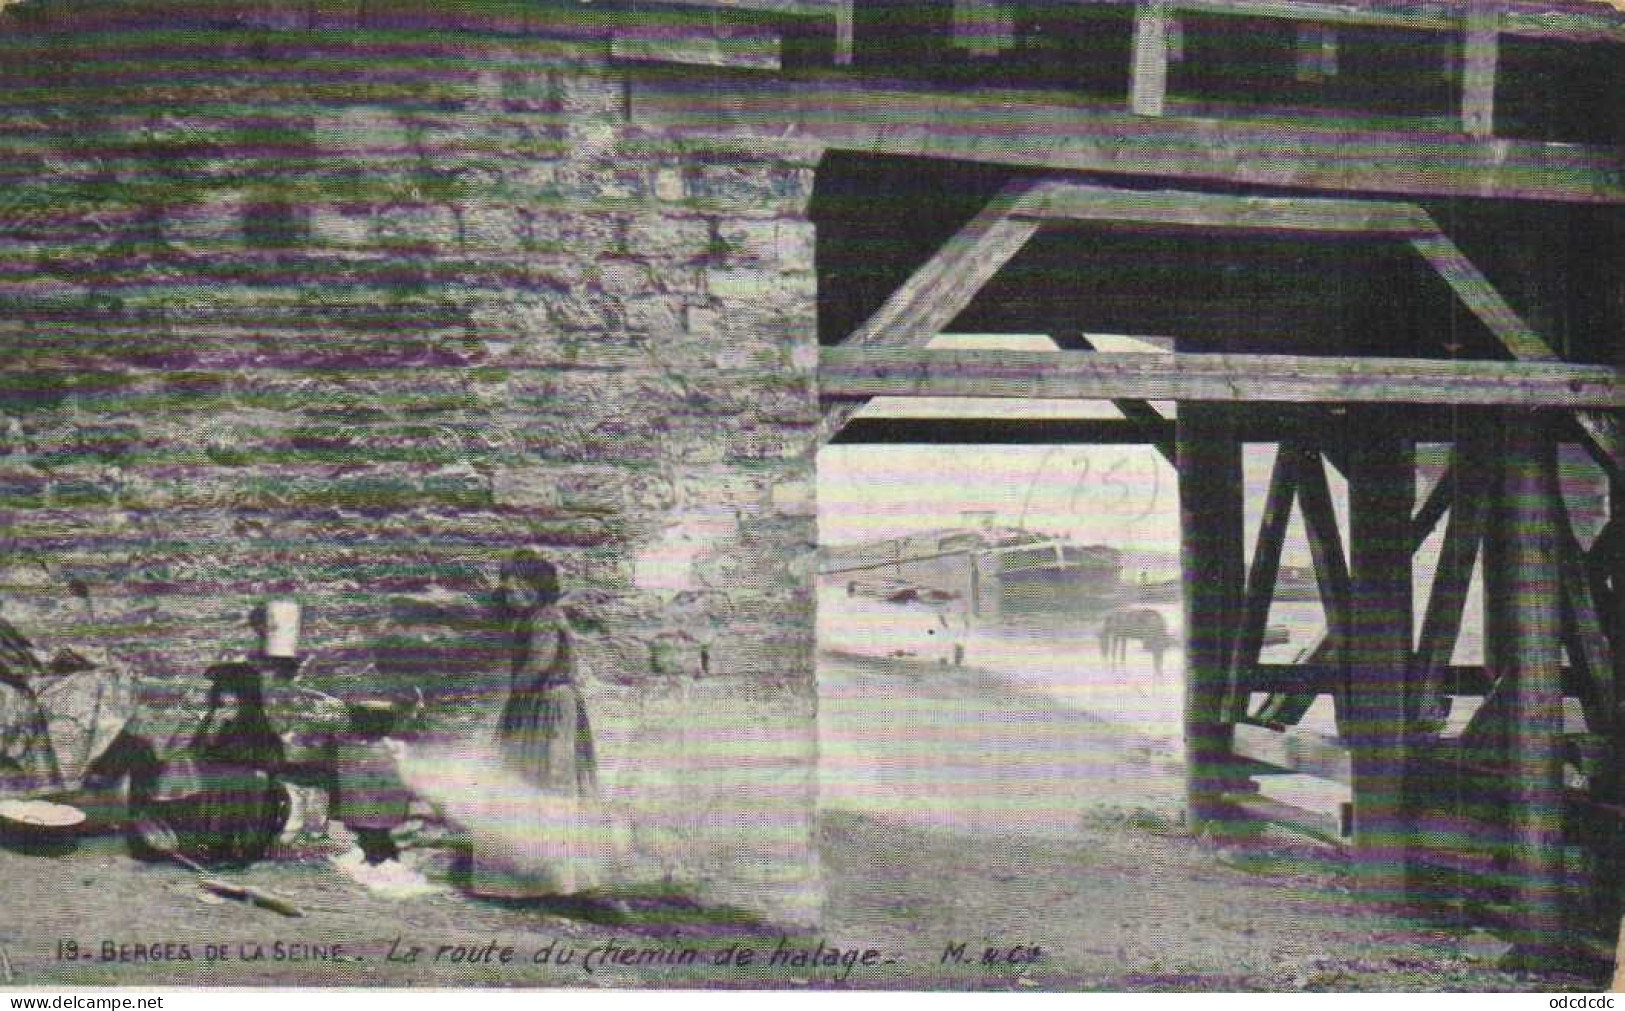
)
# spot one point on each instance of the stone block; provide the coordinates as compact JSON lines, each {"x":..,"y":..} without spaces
{"x":367,"y":131}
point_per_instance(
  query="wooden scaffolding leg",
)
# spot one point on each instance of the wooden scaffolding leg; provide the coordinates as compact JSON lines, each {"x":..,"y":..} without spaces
{"x":1610,"y":564}
{"x":1382,"y":497}
{"x":1211,"y":558}
{"x":1524,"y":628}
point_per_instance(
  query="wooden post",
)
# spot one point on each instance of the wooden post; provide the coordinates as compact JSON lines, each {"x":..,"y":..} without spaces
{"x":1261,"y":578}
{"x":1480,"y":53}
{"x":1382,"y":497}
{"x":845,"y":18}
{"x":1464,"y":486}
{"x":1149,"y":86}
{"x":1523,"y":622}
{"x":1211,"y":558}
{"x":1612,"y":870}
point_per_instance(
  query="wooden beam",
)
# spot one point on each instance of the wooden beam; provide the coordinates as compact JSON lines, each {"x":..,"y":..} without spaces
{"x":1317,"y":825}
{"x":1326,"y":676}
{"x":1019,"y":129}
{"x":1524,"y":625}
{"x":1004,"y":432}
{"x":1263,"y":423}
{"x":1562,"y":20}
{"x":846,"y":16}
{"x":1055,"y":201}
{"x":1441,"y":623}
{"x":1484,"y":301}
{"x":1573,"y":21}
{"x":942,"y":286}
{"x":1480,"y":52}
{"x":1331,"y":567}
{"x":1139,"y":412}
{"x":1583,"y":634}
{"x":696,"y":46}
{"x":847,"y":373}
{"x":1211,"y":516}
{"x":1382,"y":491}
{"x":1261,"y":577}
{"x":1148,"y":87}
{"x":1434,"y":507}
{"x":946,"y":283}
{"x":1301,"y":751}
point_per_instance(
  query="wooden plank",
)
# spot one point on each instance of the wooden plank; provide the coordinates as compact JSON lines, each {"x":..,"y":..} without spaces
{"x":1264,"y":423}
{"x":1325,"y":546}
{"x":1434,"y":508}
{"x":693,"y":45}
{"x":1019,"y":129}
{"x":1056,"y":200}
{"x":1323,"y":677}
{"x":847,"y":373}
{"x":1484,"y":301}
{"x":797,"y":8}
{"x":1148,"y":87}
{"x":1441,"y":623}
{"x":846,"y":17}
{"x":1138,"y":412}
{"x":1565,"y":20}
{"x":942,"y":287}
{"x":946,"y":283}
{"x":1579,"y":22}
{"x":1317,"y":825}
{"x":1261,"y":577}
{"x":1480,"y":53}
{"x":1382,"y":491}
{"x":1005,"y":432}
{"x":1211,"y":516}
{"x":1301,"y":751}
{"x":1588,"y":646}
{"x":1523,"y":623}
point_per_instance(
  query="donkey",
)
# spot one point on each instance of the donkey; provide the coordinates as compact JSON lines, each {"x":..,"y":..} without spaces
{"x":1139,"y":623}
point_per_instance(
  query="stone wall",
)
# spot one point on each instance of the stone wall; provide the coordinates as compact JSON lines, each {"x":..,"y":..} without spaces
{"x":348,"y":313}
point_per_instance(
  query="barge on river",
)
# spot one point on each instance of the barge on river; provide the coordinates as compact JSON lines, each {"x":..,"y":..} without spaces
{"x":995,"y":571}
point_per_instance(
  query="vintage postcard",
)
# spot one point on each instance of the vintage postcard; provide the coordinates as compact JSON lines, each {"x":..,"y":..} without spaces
{"x":1018,"y":495}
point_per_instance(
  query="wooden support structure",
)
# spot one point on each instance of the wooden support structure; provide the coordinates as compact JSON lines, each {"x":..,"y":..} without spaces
{"x":1480,"y":53}
{"x":942,"y":287}
{"x":1034,"y":132}
{"x":850,"y":373}
{"x":1148,"y":88}
{"x":1138,"y":412}
{"x":1584,"y":637}
{"x":1382,"y":490}
{"x":1211,"y":521}
{"x":1522,"y":617}
{"x":1465,"y":486}
{"x":1483,"y":300}
{"x":1058,"y":201}
{"x":1300,"y":751}
{"x":1558,"y":20}
{"x":1434,"y":507}
{"x":1331,"y":576}
{"x":1261,"y":577}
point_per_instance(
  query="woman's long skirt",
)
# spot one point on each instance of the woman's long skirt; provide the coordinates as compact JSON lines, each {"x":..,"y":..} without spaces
{"x":547,"y":835}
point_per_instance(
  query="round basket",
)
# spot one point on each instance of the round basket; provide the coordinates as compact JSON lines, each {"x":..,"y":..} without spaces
{"x":39,"y":826}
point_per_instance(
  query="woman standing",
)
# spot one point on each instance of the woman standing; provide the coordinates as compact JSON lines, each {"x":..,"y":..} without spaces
{"x":550,"y":842}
